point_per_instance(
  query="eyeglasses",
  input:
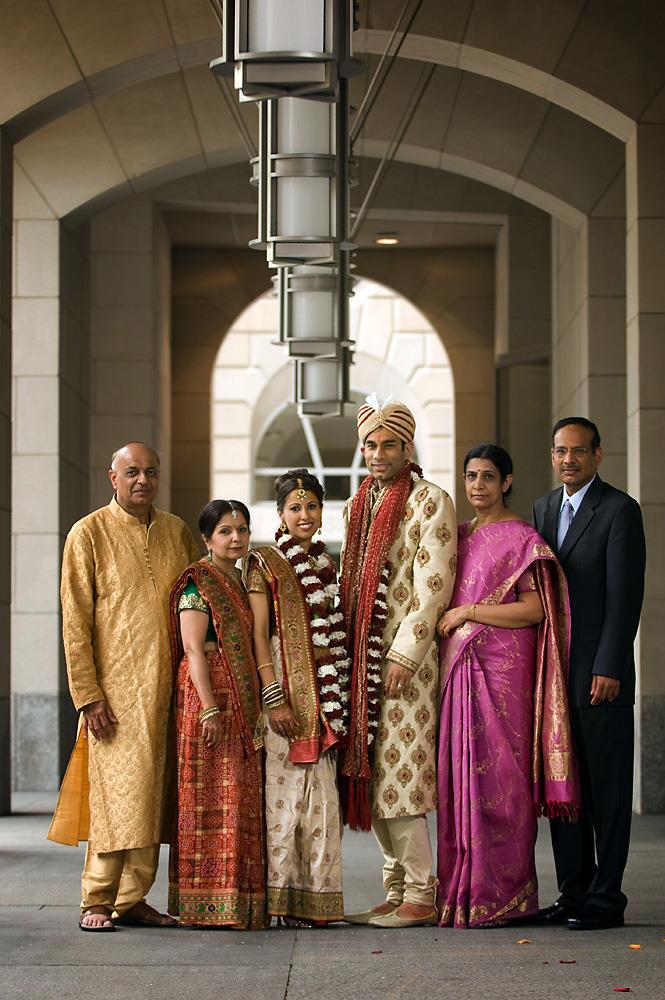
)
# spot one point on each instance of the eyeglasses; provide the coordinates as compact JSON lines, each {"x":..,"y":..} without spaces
{"x":578,"y":452}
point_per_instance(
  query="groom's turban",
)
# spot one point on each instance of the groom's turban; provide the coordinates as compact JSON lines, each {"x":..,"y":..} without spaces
{"x":392,"y":415}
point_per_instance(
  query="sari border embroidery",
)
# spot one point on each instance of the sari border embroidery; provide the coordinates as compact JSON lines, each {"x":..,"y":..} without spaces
{"x":298,"y":659}
{"x":304,"y":904}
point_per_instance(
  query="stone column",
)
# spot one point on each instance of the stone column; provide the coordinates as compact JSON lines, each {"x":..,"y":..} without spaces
{"x":50,"y":481}
{"x":5,"y":462}
{"x":130,"y":353}
{"x":522,"y":352}
{"x":454,"y":288}
{"x":588,"y":332}
{"x":645,"y":310}
{"x":211,"y":288}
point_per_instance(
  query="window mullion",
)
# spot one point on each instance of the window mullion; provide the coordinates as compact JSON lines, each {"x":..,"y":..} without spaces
{"x":314,"y":452}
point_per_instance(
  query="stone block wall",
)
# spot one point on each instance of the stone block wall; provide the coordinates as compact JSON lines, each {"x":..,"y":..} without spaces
{"x":130,"y":332}
{"x":5,"y":461}
{"x":50,"y":483}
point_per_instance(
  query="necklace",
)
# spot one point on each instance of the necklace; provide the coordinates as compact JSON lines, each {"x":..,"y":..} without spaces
{"x":315,"y":571}
{"x":475,"y":526}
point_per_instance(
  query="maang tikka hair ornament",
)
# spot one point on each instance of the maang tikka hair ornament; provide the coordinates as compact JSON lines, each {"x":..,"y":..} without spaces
{"x":301,"y":492}
{"x":234,"y":512}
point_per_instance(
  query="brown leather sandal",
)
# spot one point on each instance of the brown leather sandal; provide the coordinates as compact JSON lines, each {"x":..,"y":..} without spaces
{"x":142,"y":914}
{"x":97,"y":928}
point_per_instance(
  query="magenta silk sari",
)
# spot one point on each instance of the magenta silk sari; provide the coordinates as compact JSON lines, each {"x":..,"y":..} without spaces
{"x":505,"y":744}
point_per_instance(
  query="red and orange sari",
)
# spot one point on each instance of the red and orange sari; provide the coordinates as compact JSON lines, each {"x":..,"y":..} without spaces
{"x":217,"y":862}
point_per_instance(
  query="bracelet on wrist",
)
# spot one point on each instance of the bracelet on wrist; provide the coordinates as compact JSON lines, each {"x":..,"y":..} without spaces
{"x":272,"y":695}
{"x":208,"y":713}
{"x":268,"y":663}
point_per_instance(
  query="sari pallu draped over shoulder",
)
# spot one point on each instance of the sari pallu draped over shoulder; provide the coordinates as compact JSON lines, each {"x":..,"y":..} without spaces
{"x":235,"y":645}
{"x":516,"y":547}
{"x":299,"y":666}
{"x":505,"y":743}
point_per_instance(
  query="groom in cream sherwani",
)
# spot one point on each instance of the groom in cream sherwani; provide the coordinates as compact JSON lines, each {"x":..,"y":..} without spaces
{"x":398,"y":571}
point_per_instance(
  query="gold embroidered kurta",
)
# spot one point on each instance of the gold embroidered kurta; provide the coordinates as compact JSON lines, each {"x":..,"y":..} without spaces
{"x":117,"y":576}
{"x":421,"y":565}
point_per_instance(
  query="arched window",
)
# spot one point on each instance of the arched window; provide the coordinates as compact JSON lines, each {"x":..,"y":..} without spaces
{"x":257,"y":433}
{"x":328,"y":448}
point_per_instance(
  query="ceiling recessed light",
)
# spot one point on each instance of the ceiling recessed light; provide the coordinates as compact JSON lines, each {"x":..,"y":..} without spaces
{"x":387,"y":239}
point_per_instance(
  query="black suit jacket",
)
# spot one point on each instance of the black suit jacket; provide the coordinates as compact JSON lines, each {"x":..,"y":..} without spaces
{"x":603,"y":556}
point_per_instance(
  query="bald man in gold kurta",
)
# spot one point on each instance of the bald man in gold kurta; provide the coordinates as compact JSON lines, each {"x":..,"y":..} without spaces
{"x":118,"y":568}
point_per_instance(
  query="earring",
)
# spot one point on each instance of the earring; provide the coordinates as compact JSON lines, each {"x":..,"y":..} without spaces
{"x":282,"y":526}
{"x":320,"y":530}
{"x":209,"y":555}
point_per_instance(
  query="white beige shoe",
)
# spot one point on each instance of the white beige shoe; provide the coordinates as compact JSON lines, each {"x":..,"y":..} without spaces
{"x":391,"y":920}
{"x":363,"y":918}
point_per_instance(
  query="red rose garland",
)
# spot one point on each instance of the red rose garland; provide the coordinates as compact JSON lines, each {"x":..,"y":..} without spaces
{"x":316,"y":574}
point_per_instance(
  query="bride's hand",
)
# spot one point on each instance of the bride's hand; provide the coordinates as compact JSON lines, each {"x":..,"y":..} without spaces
{"x":283,"y":721}
{"x":453,"y":618}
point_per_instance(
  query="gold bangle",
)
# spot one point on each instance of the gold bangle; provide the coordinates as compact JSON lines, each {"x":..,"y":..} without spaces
{"x":473,"y":612}
{"x":268,"y":663}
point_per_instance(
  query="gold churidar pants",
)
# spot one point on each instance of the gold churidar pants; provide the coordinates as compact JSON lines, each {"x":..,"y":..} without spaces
{"x":118,"y":879}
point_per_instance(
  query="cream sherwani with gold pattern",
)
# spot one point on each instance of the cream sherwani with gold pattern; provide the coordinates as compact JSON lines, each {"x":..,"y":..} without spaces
{"x":422,"y":564}
{"x":116,"y":580}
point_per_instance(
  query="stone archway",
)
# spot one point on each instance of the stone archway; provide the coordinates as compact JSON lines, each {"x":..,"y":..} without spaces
{"x":397,"y":352}
{"x":454,"y":289}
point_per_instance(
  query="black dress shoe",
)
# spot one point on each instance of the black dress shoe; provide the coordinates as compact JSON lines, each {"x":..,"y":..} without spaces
{"x":595,"y":920}
{"x":557,"y":913}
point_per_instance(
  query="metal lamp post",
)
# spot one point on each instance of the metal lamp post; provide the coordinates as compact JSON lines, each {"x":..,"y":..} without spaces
{"x":322,"y":385}
{"x":302,"y":177}
{"x":314,"y":309}
{"x":294,"y":58}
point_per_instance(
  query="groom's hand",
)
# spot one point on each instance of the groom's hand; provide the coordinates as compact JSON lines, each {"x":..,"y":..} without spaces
{"x":396,"y":680}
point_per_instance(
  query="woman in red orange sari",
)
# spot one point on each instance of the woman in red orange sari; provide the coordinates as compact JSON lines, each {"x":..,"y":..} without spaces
{"x":217,"y":866}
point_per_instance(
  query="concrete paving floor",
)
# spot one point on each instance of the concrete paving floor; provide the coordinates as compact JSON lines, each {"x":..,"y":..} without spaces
{"x":44,"y":955}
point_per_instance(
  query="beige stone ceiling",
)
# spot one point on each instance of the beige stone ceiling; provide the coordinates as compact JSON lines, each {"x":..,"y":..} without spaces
{"x":529,"y":100}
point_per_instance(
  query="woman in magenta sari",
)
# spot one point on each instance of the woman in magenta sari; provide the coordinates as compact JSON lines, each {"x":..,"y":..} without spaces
{"x":505,"y":746}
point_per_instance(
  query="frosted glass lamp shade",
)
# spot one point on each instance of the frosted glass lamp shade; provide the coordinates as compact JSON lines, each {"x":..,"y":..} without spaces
{"x":302,"y":181}
{"x":278,"y":47}
{"x":286,"y":26}
{"x":322,"y":385}
{"x":314,"y":310}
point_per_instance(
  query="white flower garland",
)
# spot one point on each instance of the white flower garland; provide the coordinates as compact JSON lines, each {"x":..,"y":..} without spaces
{"x":317,"y":578}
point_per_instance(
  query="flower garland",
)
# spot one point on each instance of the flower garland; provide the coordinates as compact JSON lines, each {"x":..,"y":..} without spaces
{"x":316,"y":574}
{"x":375,"y":642}
{"x":375,"y":656}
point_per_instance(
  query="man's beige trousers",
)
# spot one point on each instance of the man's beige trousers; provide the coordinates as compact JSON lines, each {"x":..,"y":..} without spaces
{"x":407,"y":860}
{"x":118,"y":879}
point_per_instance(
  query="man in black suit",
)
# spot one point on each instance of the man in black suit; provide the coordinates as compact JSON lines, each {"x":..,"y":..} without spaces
{"x":596,"y":531}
